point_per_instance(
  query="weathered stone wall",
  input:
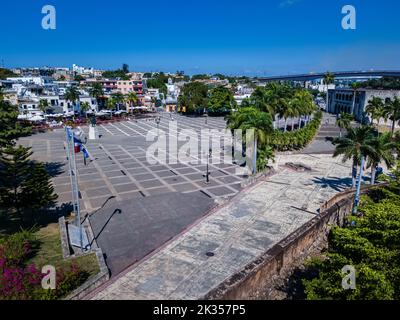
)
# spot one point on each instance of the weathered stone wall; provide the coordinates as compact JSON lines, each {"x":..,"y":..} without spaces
{"x":275,"y":262}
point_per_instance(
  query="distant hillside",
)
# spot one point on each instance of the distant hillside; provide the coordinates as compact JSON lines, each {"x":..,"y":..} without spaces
{"x":6,"y":73}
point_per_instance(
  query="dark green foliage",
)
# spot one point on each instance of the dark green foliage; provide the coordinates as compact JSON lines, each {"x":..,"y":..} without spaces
{"x":392,"y":83}
{"x":6,"y":73}
{"x":193,"y":97}
{"x":295,"y":140}
{"x":25,"y":187}
{"x":10,"y":129}
{"x":221,"y":101}
{"x":371,"y":243}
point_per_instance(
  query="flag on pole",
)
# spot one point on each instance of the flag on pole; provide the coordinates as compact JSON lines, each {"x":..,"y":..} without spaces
{"x":85,"y":152}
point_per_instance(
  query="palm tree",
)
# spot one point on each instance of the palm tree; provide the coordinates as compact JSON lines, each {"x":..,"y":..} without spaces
{"x":375,"y":109}
{"x":118,"y":98}
{"x":289,"y":110}
{"x":131,"y":98}
{"x":110,"y":103}
{"x":303,"y":103}
{"x":356,"y":145}
{"x":72,"y":95}
{"x":344,"y":121}
{"x":43,"y":105}
{"x":252,"y":119}
{"x":392,"y":111}
{"x":85,"y":106}
{"x":329,"y":78}
{"x":383,"y":150}
{"x":96,"y":91}
{"x":355,"y":86}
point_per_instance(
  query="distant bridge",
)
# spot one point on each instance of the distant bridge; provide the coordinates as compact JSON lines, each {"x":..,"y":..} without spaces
{"x":339,"y":74}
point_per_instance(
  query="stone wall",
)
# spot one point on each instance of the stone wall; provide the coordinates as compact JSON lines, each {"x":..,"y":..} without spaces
{"x":276,"y":262}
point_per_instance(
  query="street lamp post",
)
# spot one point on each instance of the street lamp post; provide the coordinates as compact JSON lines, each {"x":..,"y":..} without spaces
{"x":208,"y":161}
{"x":158,"y":119}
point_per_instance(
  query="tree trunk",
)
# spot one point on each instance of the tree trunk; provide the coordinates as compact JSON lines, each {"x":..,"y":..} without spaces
{"x":393,"y":125}
{"x":373,"y":174}
{"x":255,"y":155}
{"x":340,"y":132}
{"x":357,"y":196}
{"x":286,"y":121}
{"x":292,"y":124}
{"x":354,"y":174}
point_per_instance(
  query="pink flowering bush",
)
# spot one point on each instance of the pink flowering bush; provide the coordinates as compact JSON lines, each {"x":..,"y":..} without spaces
{"x":22,"y":281}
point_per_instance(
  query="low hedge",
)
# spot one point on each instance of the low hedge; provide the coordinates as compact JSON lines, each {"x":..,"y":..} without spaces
{"x":296,"y":140}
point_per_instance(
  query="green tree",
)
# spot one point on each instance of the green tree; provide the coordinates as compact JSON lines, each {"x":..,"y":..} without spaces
{"x":85,"y":107}
{"x":110,"y":103}
{"x":25,"y":186}
{"x":392,"y":111}
{"x":97,"y":92}
{"x":221,"y":101}
{"x":252,"y":119}
{"x":131,"y":98}
{"x":72,"y":95}
{"x":383,"y":148}
{"x":118,"y":99}
{"x":10,"y":128}
{"x":344,"y":121}
{"x":43,"y":105}
{"x":356,"y":144}
{"x":193,"y":97}
{"x":375,"y":109}
{"x":329,"y":78}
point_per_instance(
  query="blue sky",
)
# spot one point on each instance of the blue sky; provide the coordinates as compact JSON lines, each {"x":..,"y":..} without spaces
{"x":253,"y":37}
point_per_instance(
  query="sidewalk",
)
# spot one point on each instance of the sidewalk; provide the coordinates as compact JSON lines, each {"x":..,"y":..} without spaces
{"x":224,"y":242}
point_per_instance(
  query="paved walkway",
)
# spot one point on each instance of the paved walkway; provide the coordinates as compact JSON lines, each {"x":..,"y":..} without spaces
{"x":236,"y":234}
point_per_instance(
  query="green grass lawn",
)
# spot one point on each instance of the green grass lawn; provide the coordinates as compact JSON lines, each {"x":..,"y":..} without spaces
{"x":50,"y":252}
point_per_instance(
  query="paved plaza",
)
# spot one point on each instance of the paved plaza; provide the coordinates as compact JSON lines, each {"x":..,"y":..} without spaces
{"x":236,"y":234}
{"x":120,"y":168}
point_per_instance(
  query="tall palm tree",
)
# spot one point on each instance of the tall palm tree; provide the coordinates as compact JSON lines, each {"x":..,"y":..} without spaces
{"x":72,"y":95}
{"x":375,"y":109}
{"x":383,"y":150}
{"x":43,"y":105}
{"x":343,"y":122}
{"x":85,"y":106}
{"x":110,"y":104}
{"x":329,"y":78}
{"x":289,"y":110}
{"x":392,"y":111}
{"x":118,"y":98}
{"x":132,"y":99}
{"x":355,"y":86}
{"x":304,"y":104}
{"x":96,"y":91}
{"x":252,"y":118}
{"x":355,"y":146}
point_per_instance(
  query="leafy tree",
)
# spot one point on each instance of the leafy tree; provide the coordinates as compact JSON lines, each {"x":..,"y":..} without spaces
{"x":72,"y":95}
{"x":110,"y":103}
{"x":375,"y":109}
{"x":200,"y":77}
{"x":193,"y":97}
{"x":356,"y":144}
{"x":43,"y":105}
{"x":6,"y":73}
{"x":79,"y":78}
{"x":221,"y":101}
{"x":25,"y":186}
{"x":383,"y":148}
{"x":10,"y":128}
{"x":118,"y":98}
{"x":125,"y":68}
{"x":392,"y":111}
{"x":85,"y":107}
{"x":131,"y":98}
{"x":329,"y":78}
{"x":344,"y":121}
{"x":371,"y":244}
{"x":386,"y":83}
{"x":96,"y":91}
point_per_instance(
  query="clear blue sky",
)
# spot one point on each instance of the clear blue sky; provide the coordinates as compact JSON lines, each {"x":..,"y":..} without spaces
{"x":253,"y":37}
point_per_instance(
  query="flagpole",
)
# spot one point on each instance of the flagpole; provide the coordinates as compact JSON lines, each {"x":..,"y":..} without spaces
{"x":74,"y":181}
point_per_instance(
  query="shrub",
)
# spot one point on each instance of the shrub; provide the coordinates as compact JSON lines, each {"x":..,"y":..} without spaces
{"x":22,"y":281}
{"x":295,"y":140}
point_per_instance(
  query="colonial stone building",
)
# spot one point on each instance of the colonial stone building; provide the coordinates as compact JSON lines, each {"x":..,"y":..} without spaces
{"x":355,"y":102}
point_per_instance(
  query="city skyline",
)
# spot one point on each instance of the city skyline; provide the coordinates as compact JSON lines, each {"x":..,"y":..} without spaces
{"x":273,"y":38}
